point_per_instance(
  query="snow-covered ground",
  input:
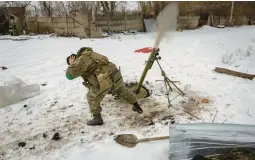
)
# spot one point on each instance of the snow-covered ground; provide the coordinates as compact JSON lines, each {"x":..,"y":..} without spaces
{"x":188,"y":57}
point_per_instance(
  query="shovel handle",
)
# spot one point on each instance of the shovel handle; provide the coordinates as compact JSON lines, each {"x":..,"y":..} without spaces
{"x":153,"y":139}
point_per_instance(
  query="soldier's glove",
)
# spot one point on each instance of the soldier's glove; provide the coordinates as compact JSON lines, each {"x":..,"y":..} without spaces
{"x":136,"y":108}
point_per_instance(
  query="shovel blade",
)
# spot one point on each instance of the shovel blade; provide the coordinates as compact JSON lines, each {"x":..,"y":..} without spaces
{"x":127,"y":140}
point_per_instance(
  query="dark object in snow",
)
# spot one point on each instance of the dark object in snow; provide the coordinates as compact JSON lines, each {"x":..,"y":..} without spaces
{"x":111,"y":134}
{"x":22,"y":39}
{"x":32,"y":147}
{"x":82,"y":132}
{"x":44,"y":84}
{"x":25,"y":106}
{"x":70,"y":106}
{"x":199,"y":157}
{"x":167,"y":117}
{"x":151,"y":123}
{"x":45,"y":135}
{"x":172,"y":121}
{"x":4,"y":68}
{"x":22,"y":144}
{"x":54,"y":104}
{"x":220,"y":26}
{"x":56,"y":137}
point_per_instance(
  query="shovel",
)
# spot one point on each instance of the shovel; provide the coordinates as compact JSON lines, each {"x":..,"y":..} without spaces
{"x":130,"y":140}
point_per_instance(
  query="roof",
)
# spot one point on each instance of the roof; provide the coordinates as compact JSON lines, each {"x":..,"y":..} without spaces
{"x":17,"y":11}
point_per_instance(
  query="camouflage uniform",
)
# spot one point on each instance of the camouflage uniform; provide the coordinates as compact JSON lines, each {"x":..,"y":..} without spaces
{"x":100,"y":76}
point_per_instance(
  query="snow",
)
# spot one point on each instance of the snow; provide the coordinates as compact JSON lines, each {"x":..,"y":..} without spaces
{"x":13,"y":89}
{"x":61,"y":106}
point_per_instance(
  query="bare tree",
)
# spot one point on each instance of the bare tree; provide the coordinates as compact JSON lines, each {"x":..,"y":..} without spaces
{"x":108,"y":7}
{"x":46,"y":8}
{"x":146,"y":7}
{"x":60,"y":8}
{"x":15,"y":3}
{"x":3,"y":4}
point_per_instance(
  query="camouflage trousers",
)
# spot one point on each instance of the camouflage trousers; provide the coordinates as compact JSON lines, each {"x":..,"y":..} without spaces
{"x":95,"y":96}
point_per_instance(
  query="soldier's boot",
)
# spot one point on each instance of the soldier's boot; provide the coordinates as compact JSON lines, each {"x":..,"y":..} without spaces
{"x":96,"y":121}
{"x":136,"y":108}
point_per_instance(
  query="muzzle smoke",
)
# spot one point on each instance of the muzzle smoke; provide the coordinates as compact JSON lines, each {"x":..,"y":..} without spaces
{"x":166,"y":21}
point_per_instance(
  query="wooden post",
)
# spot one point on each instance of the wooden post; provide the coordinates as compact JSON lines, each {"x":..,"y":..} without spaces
{"x":36,"y":21}
{"x":212,"y":19}
{"x":189,"y":17}
{"x":125,"y":20}
{"x":231,"y":13}
{"x":66,"y":24}
{"x":93,"y":16}
{"x":189,"y":24}
{"x":92,"y":21}
{"x":51,"y":24}
{"x":108,"y":24}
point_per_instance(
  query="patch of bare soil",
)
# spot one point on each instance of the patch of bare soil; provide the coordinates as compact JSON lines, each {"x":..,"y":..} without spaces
{"x":189,"y":107}
{"x":193,"y":105}
{"x":154,"y":111}
{"x":145,"y":120}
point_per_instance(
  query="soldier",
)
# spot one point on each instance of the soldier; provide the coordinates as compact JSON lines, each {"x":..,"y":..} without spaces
{"x":100,"y":77}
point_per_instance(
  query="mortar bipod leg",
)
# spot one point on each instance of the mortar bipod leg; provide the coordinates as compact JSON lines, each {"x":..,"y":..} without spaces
{"x":176,"y":86}
{"x":168,"y":92}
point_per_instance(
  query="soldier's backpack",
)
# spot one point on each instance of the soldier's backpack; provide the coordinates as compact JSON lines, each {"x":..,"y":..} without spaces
{"x":101,"y":71}
{"x":98,"y":58}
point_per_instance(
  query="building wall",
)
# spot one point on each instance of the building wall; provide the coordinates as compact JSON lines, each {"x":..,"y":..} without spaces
{"x":78,"y":25}
{"x":60,"y":25}
{"x":63,"y":25}
{"x":191,"y":22}
{"x":121,"y":23}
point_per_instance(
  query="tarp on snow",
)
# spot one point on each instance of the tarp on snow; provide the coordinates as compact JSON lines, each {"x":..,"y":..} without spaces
{"x":150,"y":25}
{"x":205,"y":139}
{"x":13,"y":89}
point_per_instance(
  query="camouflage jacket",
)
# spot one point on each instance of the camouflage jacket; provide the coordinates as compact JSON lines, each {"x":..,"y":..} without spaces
{"x":88,"y":65}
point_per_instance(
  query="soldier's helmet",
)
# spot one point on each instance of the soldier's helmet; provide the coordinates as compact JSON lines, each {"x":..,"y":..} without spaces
{"x":83,"y":49}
